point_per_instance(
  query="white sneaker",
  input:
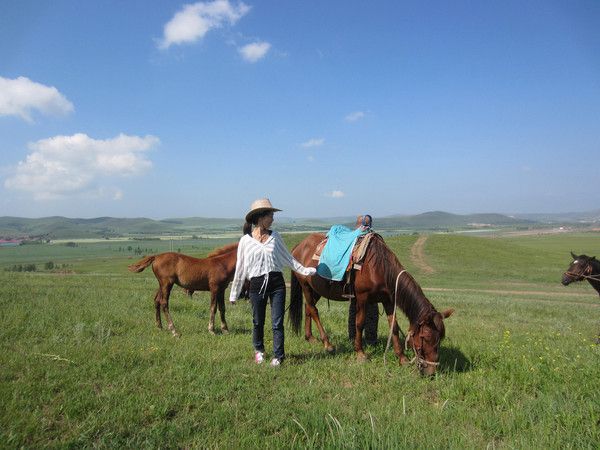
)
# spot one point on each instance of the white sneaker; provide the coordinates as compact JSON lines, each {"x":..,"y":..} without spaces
{"x":275,"y":362}
{"x":259,"y":357}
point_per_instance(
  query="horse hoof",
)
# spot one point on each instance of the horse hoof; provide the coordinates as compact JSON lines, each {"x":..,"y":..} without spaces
{"x":211,"y":331}
{"x":404,"y":361}
{"x":362,"y":358}
{"x":224,"y":331}
{"x":330,"y":348}
{"x":176,"y":334}
{"x":311,"y":339}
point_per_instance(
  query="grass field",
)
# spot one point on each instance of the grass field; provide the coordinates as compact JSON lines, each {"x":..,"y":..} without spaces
{"x":82,"y":364}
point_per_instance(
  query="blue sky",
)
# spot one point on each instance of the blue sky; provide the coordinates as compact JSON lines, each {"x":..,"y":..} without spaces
{"x":170,"y":109}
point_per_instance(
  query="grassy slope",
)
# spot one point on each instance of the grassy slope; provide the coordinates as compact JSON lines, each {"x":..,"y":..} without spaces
{"x":82,"y":364}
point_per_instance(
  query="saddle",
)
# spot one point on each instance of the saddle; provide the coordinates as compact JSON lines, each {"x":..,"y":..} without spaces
{"x":356,"y":260}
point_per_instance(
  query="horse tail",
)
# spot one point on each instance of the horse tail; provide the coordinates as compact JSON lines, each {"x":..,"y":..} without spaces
{"x":142,"y":264}
{"x":295,"y":304}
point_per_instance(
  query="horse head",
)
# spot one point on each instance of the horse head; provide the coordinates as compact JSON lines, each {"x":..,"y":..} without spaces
{"x":581,"y":267}
{"x":425,"y":337}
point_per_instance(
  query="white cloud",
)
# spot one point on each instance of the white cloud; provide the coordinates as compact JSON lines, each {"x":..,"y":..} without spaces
{"x":68,"y":165}
{"x":354,"y":116}
{"x":21,"y":96}
{"x":192,"y":22}
{"x":255,"y":51}
{"x":336,"y":194}
{"x":315,"y":142}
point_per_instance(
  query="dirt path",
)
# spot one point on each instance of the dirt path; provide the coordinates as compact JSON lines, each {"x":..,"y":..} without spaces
{"x":534,"y":295}
{"x":417,"y":255}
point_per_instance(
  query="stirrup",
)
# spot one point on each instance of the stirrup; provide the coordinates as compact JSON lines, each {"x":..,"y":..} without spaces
{"x":348,"y":295}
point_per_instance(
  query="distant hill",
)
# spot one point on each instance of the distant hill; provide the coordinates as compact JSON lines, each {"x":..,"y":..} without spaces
{"x":436,"y":220}
{"x":573,"y":217}
{"x":107,"y":227}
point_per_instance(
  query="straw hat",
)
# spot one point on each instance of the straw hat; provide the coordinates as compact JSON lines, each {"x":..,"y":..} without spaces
{"x":258,"y":206}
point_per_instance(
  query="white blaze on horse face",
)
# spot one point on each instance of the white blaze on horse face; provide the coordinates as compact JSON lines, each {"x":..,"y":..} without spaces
{"x":575,"y":262}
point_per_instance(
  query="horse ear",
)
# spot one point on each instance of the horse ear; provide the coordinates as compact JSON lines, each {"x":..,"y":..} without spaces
{"x":447,"y":313}
{"x":438,"y":321}
{"x":593,"y":258}
{"x":574,"y":255}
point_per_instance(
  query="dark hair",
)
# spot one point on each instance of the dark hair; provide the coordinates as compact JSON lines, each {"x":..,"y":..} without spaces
{"x":247,"y":228}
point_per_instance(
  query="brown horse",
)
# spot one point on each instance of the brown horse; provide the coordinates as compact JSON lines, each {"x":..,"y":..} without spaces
{"x":382,"y":279}
{"x":213,"y":273}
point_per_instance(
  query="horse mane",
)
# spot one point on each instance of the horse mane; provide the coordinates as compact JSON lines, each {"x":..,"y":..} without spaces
{"x":226,"y":249}
{"x":591,"y":260}
{"x":410,"y":297}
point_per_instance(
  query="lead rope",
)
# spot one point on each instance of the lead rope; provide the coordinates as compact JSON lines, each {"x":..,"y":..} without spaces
{"x":587,"y":277}
{"x":393,"y":318}
{"x":421,"y":362}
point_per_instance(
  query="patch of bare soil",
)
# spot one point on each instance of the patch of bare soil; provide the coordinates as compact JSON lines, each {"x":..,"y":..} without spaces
{"x":417,"y":255}
{"x":534,"y":295}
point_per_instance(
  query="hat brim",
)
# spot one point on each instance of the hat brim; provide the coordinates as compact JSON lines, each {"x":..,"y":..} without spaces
{"x":259,"y":210}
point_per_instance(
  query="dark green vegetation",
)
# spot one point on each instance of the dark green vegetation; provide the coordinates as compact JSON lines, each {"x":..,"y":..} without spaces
{"x":82,"y":364}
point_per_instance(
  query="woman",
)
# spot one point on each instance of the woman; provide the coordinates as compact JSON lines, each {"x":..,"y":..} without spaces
{"x":261,"y":256}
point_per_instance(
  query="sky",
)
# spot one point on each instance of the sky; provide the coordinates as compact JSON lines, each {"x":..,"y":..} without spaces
{"x":329,"y":108}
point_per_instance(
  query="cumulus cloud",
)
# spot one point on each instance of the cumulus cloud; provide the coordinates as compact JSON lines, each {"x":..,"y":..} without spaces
{"x":315,"y":142}
{"x":192,"y":22}
{"x":255,"y":51}
{"x":354,"y":116}
{"x":336,"y":194}
{"x":21,"y":96}
{"x":67,"y":165}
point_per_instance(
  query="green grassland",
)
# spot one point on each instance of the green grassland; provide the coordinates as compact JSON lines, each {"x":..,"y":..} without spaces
{"x":83,"y":365}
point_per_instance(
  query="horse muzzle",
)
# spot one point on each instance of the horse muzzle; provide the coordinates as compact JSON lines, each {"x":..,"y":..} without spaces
{"x":428,"y":370}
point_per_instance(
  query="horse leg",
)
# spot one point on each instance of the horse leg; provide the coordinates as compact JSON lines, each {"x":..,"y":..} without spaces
{"x":157,"y":308}
{"x":393,"y":323}
{"x":221,"y":306}
{"x":213,"y":309}
{"x":308,"y":297}
{"x":313,"y":312}
{"x":359,"y":325}
{"x":164,"y":303}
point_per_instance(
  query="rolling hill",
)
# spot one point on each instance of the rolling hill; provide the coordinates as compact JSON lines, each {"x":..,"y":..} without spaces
{"x":57,"y":227}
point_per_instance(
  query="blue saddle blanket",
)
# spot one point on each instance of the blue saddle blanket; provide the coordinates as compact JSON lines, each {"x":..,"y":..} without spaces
{"x":338,"y":249}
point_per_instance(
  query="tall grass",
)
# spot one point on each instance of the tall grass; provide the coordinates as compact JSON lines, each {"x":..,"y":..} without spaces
{"x":82,"y":364}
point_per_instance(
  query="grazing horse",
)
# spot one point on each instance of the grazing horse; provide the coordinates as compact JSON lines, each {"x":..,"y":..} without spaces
{"x":584,"y":268}
{"x":382,"y":279}
{"x":213,"y":273}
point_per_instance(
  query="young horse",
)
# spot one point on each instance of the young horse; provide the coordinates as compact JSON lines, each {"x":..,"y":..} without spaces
{"x":584,"y":268}
{"x":382,"y":279}
{"x":213,"y":273}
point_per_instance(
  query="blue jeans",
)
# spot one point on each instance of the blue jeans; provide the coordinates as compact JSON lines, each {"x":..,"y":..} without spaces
{"x":259,"y":307}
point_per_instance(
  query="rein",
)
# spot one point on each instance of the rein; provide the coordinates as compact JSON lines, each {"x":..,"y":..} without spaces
{"x":588,"y":277}
{"x":421,"y":362}
{"x":393,"y":317}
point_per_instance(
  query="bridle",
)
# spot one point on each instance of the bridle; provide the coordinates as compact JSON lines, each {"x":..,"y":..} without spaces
{"x":582,"y":274}
{"x":421,"y":362}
